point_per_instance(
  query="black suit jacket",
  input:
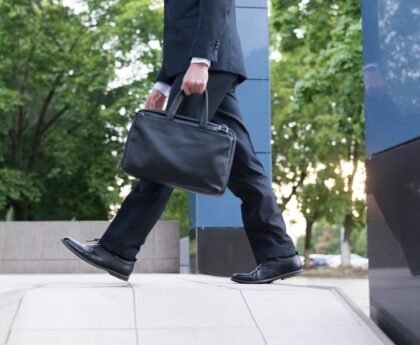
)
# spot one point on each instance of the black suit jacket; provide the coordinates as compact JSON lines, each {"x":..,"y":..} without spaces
{"x":200,"y":28}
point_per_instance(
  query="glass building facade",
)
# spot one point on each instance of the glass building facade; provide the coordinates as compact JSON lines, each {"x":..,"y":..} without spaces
{"x":216,"y":227}
{"x":391,"y":52}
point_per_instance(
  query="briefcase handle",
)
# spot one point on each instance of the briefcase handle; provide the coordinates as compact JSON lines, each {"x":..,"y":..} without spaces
{"x":204,"y":116}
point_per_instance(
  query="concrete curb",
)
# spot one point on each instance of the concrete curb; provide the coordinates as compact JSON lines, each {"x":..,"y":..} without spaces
{"x":36,"y":247}
{"x":376,"y":334}
{"x":364,"y":320}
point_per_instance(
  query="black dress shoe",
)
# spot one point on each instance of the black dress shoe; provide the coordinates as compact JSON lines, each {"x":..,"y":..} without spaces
{"x":98,"y":256}
{"x":270,"y":270}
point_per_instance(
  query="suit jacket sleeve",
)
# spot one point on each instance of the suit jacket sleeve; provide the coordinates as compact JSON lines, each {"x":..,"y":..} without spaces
{"x":163,"y":77}
{"x":210,"y":28}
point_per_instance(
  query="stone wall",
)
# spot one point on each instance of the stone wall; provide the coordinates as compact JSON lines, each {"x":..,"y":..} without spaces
{"x":36,"y":247}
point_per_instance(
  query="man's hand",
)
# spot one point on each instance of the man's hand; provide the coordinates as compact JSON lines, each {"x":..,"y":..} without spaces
{"x":156,"y":100}
{"x":195,"y":79}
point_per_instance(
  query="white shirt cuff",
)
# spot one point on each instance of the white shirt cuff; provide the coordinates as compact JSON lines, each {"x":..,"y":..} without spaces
{"x":201,"y":60}
{"x":162,"y":87}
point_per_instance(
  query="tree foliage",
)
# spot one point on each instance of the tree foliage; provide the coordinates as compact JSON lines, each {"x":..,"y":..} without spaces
{"x":317,"y":96}
{"x":64,"y":114}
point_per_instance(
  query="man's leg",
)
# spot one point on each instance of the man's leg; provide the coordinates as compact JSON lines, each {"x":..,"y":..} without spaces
{"x":263,"y":222}
{"x":145,"y":203}
{"x":137,"y":215}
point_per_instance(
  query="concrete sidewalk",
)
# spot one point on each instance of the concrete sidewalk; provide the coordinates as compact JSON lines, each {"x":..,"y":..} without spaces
{"x":160,"y":309}
{"x":357,"y":289}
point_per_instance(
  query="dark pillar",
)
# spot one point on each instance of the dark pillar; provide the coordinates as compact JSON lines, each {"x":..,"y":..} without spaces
{"x":391,"y":47}
{"x":220,"y":245}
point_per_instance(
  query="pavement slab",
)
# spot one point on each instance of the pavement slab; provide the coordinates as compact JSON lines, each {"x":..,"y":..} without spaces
{"x":72,"y":337}
{"x":175,"y":309}
{"x":45,"y":308}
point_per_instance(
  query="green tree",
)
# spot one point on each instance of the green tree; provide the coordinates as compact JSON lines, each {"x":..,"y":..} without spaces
{"x":328,"y":239}
{"x":318,"y":116}
{"x":325,"y":238}
{"x":177,"y":208}
{"x":64,"y":116}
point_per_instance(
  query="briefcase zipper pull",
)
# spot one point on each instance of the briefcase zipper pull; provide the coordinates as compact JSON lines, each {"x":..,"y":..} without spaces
{"x":223,"y":128}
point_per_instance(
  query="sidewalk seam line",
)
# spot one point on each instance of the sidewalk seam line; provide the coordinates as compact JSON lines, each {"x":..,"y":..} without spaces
{"x":135,"y":314}
{"x":15,"y":316}
{"x":209,"y":284}
{"x":253,"y":318}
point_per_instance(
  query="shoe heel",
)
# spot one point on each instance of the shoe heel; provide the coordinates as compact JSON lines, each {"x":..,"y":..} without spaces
{"x":118,"y":275}
{"x":292,"y":274}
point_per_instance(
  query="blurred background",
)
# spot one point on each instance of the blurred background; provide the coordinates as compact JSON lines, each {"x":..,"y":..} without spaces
{"x":72,"y":74}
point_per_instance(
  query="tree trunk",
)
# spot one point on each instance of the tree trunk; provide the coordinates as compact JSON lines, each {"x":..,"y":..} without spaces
{"x":20,"y":210}
{"x":308,"y":242}
{"x":345,"y":241}
{"x":348,"y":219}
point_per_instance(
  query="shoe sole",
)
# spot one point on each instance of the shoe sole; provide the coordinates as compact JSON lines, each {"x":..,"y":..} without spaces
{"x":270,"y":280}
{"x":111,"y":272}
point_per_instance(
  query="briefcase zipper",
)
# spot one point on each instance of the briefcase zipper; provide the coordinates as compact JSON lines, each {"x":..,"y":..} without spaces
{"x":220,"y":128}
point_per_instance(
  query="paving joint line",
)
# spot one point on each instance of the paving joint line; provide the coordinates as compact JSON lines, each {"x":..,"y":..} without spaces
{"x":206,"y":283}
{"x":9,"y":332}
{"x":258,"y":287}
{"x":90,"y":285}
{"x":135,"y":313}
{"x":253,"y":318}
{"x":76,"y":329}
{"x":243,"y":298}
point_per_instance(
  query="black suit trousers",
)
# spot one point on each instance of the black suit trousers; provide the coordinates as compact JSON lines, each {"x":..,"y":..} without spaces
{"x":263,"y":222}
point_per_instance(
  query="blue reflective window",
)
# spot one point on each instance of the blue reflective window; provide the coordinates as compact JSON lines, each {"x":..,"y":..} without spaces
{"x":391,"y":53}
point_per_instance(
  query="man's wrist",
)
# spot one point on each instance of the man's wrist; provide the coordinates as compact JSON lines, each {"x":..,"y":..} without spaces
{"x":201,"y":60}
{"x":162,"y":87}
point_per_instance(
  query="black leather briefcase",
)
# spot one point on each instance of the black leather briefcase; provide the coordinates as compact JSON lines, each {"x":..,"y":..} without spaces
{"x":180,"y":151}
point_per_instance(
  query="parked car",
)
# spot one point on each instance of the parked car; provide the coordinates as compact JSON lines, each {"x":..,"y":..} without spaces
{"x":355,"y":261}
{"x":317,"y":260}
